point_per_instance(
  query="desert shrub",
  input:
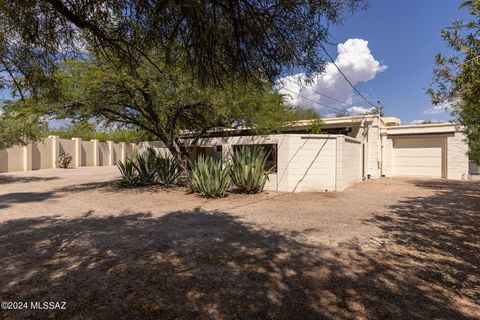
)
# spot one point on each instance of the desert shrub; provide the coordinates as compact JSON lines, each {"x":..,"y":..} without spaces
{"x":129,"y":173}
{"x":167,"y":170}
{"x":145,"y":166}
{"x":209,"y":178}
{"x":247,"y":169}
{"x":64,"y":160}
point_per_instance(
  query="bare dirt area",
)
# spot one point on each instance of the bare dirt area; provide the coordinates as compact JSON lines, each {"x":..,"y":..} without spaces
{"x":385,"y":249}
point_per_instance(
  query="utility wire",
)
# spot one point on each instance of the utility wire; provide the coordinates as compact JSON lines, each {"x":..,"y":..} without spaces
{"x":345,"y":77}
{"x":315,"y":91}
{"x":316,"y":102}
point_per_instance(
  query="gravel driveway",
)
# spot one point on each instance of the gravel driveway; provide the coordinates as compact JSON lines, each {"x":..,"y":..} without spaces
{"x":385,"y":249}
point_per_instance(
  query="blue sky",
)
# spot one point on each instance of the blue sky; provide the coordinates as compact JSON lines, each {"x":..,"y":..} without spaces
{"x":388,"y":52}
{"x":405,"y":36}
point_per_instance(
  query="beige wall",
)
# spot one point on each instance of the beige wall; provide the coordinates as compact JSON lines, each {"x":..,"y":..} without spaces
{"x":351,"y":166}
{"x":309,"y":164}
{"x":11,"y":159}
{"x":103,"y":154}
{"x":305,"y":162}
{"x":473,"y":168}
{"x":44,"y":154}
{"x":87,"y":148}
{"x":455,"y":155}
{"x":117,"y":153}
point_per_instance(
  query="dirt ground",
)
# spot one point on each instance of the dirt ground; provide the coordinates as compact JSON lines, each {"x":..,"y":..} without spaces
{"x":385,"y":249}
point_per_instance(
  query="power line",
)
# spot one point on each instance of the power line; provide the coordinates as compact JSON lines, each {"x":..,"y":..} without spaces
{"x":346,"y":79}
{"x":316,"y":102}
{"x":311,"y":89}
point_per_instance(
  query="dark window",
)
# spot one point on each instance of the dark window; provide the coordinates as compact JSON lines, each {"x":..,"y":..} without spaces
{"x":270,"y":149}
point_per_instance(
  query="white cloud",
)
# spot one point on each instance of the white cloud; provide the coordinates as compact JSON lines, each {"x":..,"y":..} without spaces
{"x":429,"y":120}
{"x":356,"y":110}
{"x":357,"y":63}
{"x":418,"y":121}
{"x":440,"y":108}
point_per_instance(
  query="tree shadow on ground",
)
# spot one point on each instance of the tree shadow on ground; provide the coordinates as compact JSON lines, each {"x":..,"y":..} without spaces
{"x":8,"y":199}
{"x":7,"y":179}
{"x":115,"y":186}
{"x":434,"y":241}
{"x":211,"y":265}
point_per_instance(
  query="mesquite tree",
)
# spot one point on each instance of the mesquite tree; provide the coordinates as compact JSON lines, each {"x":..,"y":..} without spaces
{"x":216,"y":41}
{"x":164,"y":104}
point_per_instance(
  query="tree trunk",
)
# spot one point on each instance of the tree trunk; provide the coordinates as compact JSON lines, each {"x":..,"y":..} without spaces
{"x":181,"y":158}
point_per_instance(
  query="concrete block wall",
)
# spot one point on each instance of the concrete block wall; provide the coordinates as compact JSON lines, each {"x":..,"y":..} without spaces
{"x":457,"y":156}
{"x":373,"y":150}
{"x":387,"y":157}
{"x":349,"y":162}
{"x":44,"y":154}
{"x":305,"y":162}
{"x":311,"y":164}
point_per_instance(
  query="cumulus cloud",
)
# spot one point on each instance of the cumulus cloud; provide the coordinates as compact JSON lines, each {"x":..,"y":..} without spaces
{"x":357,"y":63}
{"x":356,"y":110}
{"x":440,"y":108}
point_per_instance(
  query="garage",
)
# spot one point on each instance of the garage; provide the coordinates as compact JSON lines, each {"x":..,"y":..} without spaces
{"x":423,"y":157}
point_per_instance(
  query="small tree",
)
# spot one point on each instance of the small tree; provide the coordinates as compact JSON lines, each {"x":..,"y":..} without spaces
{"x":456,"y":78}
{"x":164,"y":105}
{"x":18,"y":125}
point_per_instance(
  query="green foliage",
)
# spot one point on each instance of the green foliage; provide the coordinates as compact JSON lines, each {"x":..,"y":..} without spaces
{"x":209,"y":178}
{"x":455,"y":81}
{"x":148,"y":168}
{"x":129,"y":173}
{"x":145,"y":167}
{"x":315,"y":126}
{"x":217,"y":41}
{"x":17,"y":127}
{"x":247,"y":171}
{"x":88,"y":130}
{"x":167,"y":170}
{"x":161,"y":104}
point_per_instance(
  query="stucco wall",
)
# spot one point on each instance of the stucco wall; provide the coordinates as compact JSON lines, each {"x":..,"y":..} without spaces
{"x":117,"y":153}
{"x":66,"y":146}
{"x":11,"y":159}
{"x":42,"y":157}
{"x":103,"y":154}
{"x":87,"y":153}
{"x":44,"y":154}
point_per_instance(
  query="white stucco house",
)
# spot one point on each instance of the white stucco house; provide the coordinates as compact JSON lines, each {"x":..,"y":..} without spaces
{"x":352,"y":149}
{"x":348,"y":150}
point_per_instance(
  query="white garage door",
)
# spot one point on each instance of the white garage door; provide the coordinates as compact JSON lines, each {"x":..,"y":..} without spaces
{"x":418,"y":157}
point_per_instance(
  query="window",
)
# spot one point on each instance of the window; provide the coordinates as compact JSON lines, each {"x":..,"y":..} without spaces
{"x":270,"y":149}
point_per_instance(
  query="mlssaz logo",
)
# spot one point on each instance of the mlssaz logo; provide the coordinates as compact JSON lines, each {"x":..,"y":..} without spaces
{"x":62,"y":305}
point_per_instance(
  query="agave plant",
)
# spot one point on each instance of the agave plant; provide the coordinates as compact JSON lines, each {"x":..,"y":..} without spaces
{"x":209,"y":178}
{"x":247,"y":171}
{"x":145,"y":166}
{"x":167,"y":170}
{"x":128,"y":172}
